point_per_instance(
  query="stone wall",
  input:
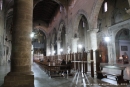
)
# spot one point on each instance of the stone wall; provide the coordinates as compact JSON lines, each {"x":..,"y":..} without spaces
{"x":2,"y":60}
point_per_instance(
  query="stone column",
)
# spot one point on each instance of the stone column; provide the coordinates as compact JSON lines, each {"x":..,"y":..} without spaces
{"x":65,"y":44}
{"x":93,"y":39}
{"x":74,"y":48}
{"x":110,"y":58}
{"x":21,"y":74}
{"x":52,"y":49}
{"x":74,"y":45}
{"x":58,"y":47}
{"x":48,"y":51}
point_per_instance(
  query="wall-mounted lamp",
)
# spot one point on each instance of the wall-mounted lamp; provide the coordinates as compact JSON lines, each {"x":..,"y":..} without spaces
{"x":121,"y":58}
{"x":80,"y":46}
{"x":61,"y":50}
{"x":107,"y":39}
{"x":54,"y":52}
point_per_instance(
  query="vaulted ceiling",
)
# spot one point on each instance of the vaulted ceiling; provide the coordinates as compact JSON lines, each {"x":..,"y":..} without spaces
{"x":45,"y":10}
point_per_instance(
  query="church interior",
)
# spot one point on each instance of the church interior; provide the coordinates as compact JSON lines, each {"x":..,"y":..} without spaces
{"x":64,"y":43}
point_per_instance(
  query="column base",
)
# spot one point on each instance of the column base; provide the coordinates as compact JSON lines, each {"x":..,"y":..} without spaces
{"x":19,"y":80}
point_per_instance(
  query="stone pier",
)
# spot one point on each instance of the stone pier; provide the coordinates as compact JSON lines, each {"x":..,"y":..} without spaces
{"x":20,"y":74}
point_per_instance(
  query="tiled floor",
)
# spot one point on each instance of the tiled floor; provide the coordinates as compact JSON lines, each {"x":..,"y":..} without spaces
{"x":43,"y":80}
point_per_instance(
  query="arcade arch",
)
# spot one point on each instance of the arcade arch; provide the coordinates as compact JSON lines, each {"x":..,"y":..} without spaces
{"x":122,"y":43}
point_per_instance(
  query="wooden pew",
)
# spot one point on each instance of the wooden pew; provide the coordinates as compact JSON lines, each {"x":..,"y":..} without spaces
{"x":101,"y":74}
{"x":119,"y":77}
{"x":54,"y":70}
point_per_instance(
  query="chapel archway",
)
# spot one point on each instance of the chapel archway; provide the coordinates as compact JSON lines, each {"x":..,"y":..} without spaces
{"x":122,"y":43}
{"x":39,"y":43}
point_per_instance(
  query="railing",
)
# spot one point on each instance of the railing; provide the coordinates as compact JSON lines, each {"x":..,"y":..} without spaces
{"x":83,"y":57}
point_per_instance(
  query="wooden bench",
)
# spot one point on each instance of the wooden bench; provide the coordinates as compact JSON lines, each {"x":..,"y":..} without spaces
{"x":118,"y":77}
{"x":54,"y":70}
{"x":53,"y":67}
{"x":101,"y":75}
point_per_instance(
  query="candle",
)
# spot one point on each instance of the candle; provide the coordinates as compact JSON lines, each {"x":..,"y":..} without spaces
{"x":121,"y":58}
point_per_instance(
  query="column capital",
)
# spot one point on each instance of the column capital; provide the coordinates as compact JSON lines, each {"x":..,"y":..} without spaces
{"x":58,"y":41}
{"x":95,"y":30}
{"x":73,"y":38}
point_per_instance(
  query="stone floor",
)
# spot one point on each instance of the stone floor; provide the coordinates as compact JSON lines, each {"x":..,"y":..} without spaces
{"x":43,"y":80}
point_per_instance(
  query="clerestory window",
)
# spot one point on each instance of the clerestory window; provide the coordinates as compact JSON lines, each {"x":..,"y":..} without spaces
{"x":105,"y":7}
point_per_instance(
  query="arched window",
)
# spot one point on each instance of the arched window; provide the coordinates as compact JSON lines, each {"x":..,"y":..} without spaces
{"x":105,"y":7}
{"x":83,"y":24}
{"x":1,"y":4}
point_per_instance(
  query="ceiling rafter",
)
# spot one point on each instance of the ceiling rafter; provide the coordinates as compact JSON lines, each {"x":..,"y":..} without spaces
{"x":45,"y":10}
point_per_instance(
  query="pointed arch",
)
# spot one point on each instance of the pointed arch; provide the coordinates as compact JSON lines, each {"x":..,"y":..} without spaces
{"x":94,"y":14}
{"x":76,"y":20}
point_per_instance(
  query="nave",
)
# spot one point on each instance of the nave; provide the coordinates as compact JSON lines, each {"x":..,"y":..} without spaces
{"x":41,"y":79}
